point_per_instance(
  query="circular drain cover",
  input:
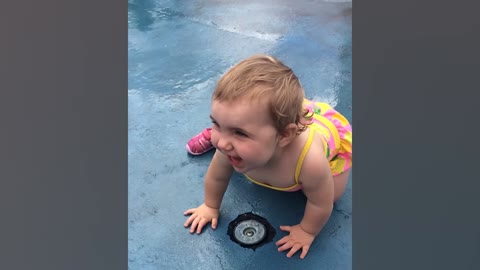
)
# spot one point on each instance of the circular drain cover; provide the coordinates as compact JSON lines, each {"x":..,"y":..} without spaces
{"x":249,"y":232}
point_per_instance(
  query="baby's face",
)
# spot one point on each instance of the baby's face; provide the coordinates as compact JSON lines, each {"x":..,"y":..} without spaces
{"x":244,"y":132}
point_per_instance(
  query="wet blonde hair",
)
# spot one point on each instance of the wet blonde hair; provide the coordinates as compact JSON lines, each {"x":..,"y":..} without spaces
{"x":265,"y":76}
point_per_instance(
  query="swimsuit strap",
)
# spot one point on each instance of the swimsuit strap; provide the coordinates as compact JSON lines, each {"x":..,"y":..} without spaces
{"x":298,"y":168}
{"x":303,"y":154}
{"x":269,"y":186}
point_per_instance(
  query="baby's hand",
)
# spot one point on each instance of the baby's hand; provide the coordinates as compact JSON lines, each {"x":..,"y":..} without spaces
{"x":296,"y":240}
{"x":200,"y":216}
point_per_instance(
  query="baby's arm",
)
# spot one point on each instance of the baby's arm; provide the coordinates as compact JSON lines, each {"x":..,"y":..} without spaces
{"x":217,"y":179}
{"x":317,"y":183}
{"x":320,"y":192}
{"x":216,"y":183}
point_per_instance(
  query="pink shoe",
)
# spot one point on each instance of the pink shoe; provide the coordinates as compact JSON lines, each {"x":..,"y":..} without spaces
{"x":200,"y":144}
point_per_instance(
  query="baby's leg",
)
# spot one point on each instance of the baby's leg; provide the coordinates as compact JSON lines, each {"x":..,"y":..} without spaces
{"x":340,"y":183}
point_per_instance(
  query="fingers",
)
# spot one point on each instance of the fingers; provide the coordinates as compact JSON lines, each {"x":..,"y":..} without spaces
{"x":194,"y":224}
{"x":304,"y":251}
{"x":282,"y":241}
{"x":201,"y":224}
{"x":288,"y":243}
{"x":286,"y":246}
{"x":214,"y":223}
{"x":294,"y":249}
{"x":189,"y":211}
{"x":199,"y":217}
{"x":189,"y":220}
{"x":197,"y":223}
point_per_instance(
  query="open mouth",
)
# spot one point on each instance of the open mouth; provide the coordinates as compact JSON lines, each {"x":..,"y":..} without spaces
{"x":235,"y":161}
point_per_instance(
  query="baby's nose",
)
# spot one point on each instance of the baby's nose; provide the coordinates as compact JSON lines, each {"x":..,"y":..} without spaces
{"x":224,"y":144}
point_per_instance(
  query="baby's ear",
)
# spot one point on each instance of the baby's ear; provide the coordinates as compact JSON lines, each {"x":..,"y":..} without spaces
{"x":287,"y":135}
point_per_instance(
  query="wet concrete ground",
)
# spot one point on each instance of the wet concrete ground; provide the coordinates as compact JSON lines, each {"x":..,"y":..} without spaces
{"x":177,"y":52}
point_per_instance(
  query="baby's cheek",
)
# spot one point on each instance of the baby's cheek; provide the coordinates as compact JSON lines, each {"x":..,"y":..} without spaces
{"x":214,"y":138}
{"x":253,"y":151}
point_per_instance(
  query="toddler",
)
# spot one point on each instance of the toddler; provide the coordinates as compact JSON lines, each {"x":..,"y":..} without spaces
{"x":264,"y":128}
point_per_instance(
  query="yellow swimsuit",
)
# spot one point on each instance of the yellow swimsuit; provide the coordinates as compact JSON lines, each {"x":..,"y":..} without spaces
{"x":336,"y":134}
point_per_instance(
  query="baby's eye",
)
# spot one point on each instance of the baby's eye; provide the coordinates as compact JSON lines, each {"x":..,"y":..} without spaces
{"x":214,"y":124}
{"x":240,"y":133}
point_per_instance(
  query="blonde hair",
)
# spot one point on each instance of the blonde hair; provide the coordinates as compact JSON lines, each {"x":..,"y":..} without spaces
{"x":264,"y":75}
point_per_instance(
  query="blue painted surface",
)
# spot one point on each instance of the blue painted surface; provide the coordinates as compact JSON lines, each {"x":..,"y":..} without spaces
{"x":177,"y":52}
